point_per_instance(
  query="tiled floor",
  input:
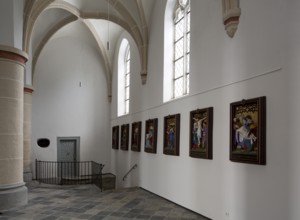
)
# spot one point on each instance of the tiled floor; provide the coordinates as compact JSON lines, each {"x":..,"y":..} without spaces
{"x":50,"y":202}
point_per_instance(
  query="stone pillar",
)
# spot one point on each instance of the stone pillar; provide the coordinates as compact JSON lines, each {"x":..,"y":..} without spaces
{"x":27,"y":133}
{"x":12,"y":188}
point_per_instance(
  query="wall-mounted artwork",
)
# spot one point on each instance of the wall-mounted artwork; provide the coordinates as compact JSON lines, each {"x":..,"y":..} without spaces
{"x":248,"y":131}
{"x":201,"y":124}
{"x":136,"y":136}
{"x":171,"y":134}
{"x":115,"y":137}
{"x":124,"y":136}
{"x":151,"y":135}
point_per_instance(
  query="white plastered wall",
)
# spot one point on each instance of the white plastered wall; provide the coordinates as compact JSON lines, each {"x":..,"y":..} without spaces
{"x":292,"y":115}
{"x":223,"y":70}
{"x":70,"y":97}
{"x":128,"y":158}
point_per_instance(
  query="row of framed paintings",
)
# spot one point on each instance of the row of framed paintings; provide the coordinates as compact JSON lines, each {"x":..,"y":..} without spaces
{"x":247,"y":133}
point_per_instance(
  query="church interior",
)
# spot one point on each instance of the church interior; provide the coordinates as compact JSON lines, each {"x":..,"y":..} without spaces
{"x":195,"y":101}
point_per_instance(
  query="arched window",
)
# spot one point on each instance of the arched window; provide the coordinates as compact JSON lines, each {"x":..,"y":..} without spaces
{"x":124,"y":78}
{"x":181,"y":62}
{"x":127,"y":79}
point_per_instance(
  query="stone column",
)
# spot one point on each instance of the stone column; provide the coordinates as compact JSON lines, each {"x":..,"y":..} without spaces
{"x":27,"y":133}
{"x":12,"y":188}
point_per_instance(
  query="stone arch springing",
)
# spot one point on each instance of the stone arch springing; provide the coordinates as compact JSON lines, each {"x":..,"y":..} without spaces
{"x":231,"y":15}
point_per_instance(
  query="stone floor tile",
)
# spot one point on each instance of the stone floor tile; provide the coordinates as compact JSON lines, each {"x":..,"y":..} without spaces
{"x":88,"y":202}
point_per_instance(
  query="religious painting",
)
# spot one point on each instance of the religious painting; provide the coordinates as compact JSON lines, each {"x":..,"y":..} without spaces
{"x":151,"y":135}
{"x":136,"y":136}
{"x":201,"y":127}
{"x":124,"y":136}
{"x":171,"y":134}
{"x":248,"y":131}
{"x":115,"y":137}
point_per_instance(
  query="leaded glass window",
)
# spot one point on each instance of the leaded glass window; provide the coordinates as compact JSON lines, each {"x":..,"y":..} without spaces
{"x":127,"y":79}
{"x":181,"y":61}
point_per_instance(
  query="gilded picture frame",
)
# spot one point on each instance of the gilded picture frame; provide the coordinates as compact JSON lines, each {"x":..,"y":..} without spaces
{"x":248,"y":131}
{"x":151,"y":136}
{"x":124,"y":136}
{"x":201,"y":133}
{"x":171,"y":134}
{"x":115,"y":137}
{"x":136,"y":136}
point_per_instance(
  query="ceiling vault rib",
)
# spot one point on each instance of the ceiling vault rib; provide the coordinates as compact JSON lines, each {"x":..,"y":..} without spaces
{"x":31,"y":14}
{"x":136,"y":33}
{"x":34,"y":8}
{"x":104,"y":55}
{"x":144,"y":49}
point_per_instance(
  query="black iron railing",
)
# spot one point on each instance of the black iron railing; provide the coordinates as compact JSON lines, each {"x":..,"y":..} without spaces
{"x":69,"y":173}
{"x":131,"y":169}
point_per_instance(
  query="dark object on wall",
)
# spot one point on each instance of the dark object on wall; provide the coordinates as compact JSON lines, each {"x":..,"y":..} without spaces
{"x":151,"y":135}
{"x":43,"y":142}
{"x":124,"y":136}
{"x":171,"y":134}
{"x":136,"y":128}
{"x":248,"y":131}
{"x":115,"y":137}
{"x":201,"y":128}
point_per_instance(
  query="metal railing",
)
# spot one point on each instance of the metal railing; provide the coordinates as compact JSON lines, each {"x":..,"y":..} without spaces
{"x":69,"y":173}
{"x":132,"y":168}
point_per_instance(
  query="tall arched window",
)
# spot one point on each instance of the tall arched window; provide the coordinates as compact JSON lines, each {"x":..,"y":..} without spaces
{"x":124,"y":78}
{"x":127,"y":79}
{"x":181,"y":65}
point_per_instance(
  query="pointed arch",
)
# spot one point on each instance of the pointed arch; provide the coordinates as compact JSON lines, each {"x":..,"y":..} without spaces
{"x":34,"y":9}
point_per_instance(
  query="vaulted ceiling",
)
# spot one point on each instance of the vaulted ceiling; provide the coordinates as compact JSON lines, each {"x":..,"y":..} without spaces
{"x":103,"y":18}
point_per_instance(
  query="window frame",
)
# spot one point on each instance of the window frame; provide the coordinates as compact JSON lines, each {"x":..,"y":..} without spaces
{"x":182,"y":8}
{"x":124,"y":49}
{"x":127,"y":61}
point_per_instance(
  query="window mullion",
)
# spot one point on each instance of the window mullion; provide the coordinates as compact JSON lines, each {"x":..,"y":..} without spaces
{"x":178,"y":39}
{"x":184,"y":51}
{"x":178,"y":58}
{"x":127,"y":81}
{"x":180,"y":64}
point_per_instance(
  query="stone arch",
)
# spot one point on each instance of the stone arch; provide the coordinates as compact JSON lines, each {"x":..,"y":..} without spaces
{"x":141,"y":39}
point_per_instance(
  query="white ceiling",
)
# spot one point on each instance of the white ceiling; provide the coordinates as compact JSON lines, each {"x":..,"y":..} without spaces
{"x":50,"y":19}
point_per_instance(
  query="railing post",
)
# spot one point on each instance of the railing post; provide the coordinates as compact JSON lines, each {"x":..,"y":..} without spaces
{"x":37,"y":176}
{"x":72,"y":172}
{"x":101,"y":184}
{"x":61,"y":174}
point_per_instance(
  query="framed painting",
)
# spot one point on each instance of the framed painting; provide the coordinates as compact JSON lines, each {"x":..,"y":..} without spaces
{"x":201,"y":128}
{"x":151,"y":136}
{"x":115,"y":137}
{"x":248,"y":131}
{"x":136,"y":136}
{"x":124,"y":136}
{"x":171,"y":134}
